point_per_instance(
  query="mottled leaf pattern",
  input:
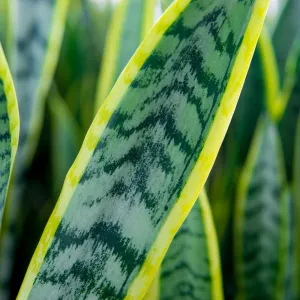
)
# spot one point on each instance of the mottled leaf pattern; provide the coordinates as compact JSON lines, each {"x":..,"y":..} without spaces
{"x":191,"y":268}
{"x":131,"y":21}
{"x":147,"y":155}
{"x":9,"y":129}
{"x":261,"y":219}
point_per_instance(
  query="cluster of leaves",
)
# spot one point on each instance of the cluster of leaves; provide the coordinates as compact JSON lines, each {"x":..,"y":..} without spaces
{"x":143,"y":112}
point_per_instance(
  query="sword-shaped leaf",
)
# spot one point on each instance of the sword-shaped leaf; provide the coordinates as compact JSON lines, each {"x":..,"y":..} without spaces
{"x":260,"y":220}
{"x":38,"y":30}
{"x":147,"y":154}
{"x":9,"y":129}
{"x":191,"y":268}
{"x":131,"y":21}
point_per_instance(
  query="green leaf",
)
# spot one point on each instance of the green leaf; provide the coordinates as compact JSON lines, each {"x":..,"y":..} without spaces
{"x":261,"y":224}
{"x":6,"y":25}
{"x":38,"y":30}
{"x":153,"y":292}
{"x":9,"y":129}
{"x":285,"y":33}
{"x":288,"y":124}
{"x":286,"y":246}
{"x":147,"y":154}
{"x":290,"y":289}
{"x":131,"y":21}
{"x":66,"y":138}
{"x":191,"y":267}
{"x":296,"y":194}
{"x":165,"y":4}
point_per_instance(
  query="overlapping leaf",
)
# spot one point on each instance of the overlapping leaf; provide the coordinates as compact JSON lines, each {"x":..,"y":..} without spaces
{"x":147,"y":155}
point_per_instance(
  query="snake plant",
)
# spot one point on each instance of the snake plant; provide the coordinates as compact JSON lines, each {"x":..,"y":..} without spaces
{"x":123,"y":183}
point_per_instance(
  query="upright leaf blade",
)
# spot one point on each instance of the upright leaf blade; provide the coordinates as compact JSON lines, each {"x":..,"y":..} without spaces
{"x":9,"y":129}
{"x":260,"y":220}
{"x":191,"y":267}
{"x":39,"y":29}
{"x":147,"y":154}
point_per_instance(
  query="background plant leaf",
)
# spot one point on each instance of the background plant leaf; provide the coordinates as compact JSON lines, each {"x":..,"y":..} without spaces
{"x":191,"y":267}
{"x":261,"y":224}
